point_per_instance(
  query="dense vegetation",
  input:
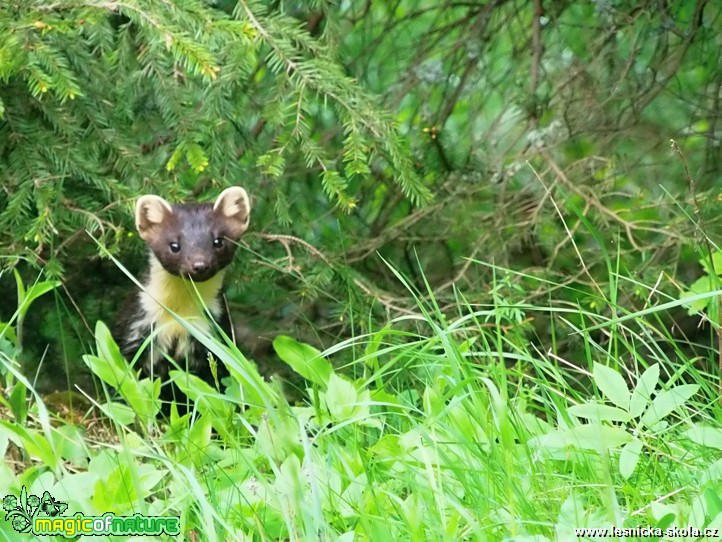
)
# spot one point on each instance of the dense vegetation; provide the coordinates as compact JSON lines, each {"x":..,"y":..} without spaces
{"x":495,"y":221}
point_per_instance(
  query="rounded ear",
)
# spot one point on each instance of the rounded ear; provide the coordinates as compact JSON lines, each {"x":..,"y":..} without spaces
{"x":149,"y":212}
{"x":234,"y":207}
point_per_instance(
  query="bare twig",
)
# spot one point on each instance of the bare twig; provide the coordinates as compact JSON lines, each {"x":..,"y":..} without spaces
{"x":537,"y":50}
{"x":593,"y":200}
{"x":700,"y":226}
{"x":388,"y":301}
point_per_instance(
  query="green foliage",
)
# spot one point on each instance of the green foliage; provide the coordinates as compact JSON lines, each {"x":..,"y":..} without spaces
{"x":608,"y":427}
{"x":304,"y":359}
{"x":112,"y":369}
{"x":442,"y":440}
{"x":96,"y":99}
{"x":708,"y":283}
{"x":428,"y":134}
{"x":11,"y":341}
{"x":469,"y":209}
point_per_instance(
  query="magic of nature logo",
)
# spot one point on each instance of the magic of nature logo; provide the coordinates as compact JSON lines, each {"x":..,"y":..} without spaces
{"x":44,"y":516}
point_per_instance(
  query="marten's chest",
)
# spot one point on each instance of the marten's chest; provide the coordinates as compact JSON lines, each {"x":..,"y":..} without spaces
{"x":167,"y":298}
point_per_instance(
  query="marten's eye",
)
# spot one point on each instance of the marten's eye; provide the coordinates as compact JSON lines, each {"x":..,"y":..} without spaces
{"x":218,"y":242}
{"x":174,"y":247}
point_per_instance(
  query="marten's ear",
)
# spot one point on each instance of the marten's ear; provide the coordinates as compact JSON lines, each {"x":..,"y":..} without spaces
{"x":149,"y":212}
{"x":234,"y":208}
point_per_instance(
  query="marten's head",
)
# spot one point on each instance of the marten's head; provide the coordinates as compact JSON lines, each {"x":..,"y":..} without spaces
{"x":194,"y":240}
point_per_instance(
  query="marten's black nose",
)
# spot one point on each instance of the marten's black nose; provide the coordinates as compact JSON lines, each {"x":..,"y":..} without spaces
{"x":199,"y":266}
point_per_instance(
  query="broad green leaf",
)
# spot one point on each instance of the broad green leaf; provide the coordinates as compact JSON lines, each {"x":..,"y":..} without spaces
{"x":586,"y":437}
{"x":599,"y":413}
{"x":667,"y":519}
{"x":642,"y":394}
{"x":18,"y":402}
{"x":716,"y":522}
{"x":27,"y":296}
{"x":119,"y":412}
{"x":198,"y":440}
{"x":108,"y":372}
{"x":111,"y":368}
{"x":706,"y":436}
{"x":712,"y":473}
{"x":697,"y":512}
{"x":108,"y":348}
{"x":572,"y":513}
{"x":629,"y":457}
{"x":149,"y":476}
{"x":716,"y":264}
{"x":551,"y":441}
{"x":388,"y":449}
{"x":113,"y":492}
{"x":341,"y":398}
{"x":304,"y":359}
{"x":533,"y":424}
{"x":666,"y":402}
{"x":383,"y":397}
{"x":141,"y":395}
{"x":278,"y":437}
{"x":35,"y":291}
{"x":702,"y":285}
{"x":72,"y":444}
{"x":7,"y":332}
{"x":345,"y":402}
{"x":612,"y":385}
{"x":34,"y":443}
{"x":255,"y":390}
{"x":201,"y":393}
{"x":659,"y":427}
{"x":714,"y":502}
{"x":597,"y":437}
{"x":144,"y":397}
{"x":291,"y":482}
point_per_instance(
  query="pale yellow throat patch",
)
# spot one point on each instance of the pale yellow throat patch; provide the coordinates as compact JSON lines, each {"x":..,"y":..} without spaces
{"x":183,"y":297}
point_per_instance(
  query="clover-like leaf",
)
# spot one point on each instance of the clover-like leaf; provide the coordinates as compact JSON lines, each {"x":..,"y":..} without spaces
{"x":21,"y":523}
{"x":10,"y":502}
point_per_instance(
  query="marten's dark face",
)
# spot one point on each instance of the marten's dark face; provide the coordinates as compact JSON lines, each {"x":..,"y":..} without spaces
{"x":194,"y":240}
{"x":193,"y":243}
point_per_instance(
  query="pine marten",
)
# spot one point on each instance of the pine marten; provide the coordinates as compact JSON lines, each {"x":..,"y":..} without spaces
{"x":190,"y":247}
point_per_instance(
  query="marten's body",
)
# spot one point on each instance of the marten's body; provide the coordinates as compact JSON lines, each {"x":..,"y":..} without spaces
{"x":190,"y":247}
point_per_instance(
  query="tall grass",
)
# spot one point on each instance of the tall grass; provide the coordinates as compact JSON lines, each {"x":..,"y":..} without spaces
{"x":476,"y":426}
